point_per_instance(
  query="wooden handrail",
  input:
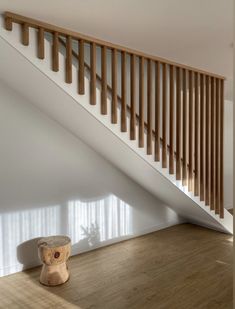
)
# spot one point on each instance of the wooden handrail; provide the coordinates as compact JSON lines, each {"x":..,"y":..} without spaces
{"x":33,"y":23}
{"x":190,"y":98}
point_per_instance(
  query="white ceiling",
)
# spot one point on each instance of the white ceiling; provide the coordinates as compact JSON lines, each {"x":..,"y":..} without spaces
{"x":194,"y":32}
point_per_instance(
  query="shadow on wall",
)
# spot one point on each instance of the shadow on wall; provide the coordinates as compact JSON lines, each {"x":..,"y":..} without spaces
{"x":89,"y":224}
{"x":28,"y":251}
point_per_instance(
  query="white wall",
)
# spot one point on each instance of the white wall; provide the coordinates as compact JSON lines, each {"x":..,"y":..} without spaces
{"x":52,"y":183}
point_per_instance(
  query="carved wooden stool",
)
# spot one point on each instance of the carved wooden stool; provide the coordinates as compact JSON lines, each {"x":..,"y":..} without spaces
{"x":54,"y":252}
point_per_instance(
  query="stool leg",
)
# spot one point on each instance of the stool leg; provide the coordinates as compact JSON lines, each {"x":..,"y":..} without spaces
{"x":52,"y":275}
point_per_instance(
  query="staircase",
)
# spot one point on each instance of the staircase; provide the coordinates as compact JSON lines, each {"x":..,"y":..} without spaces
{"x":159,"y":121}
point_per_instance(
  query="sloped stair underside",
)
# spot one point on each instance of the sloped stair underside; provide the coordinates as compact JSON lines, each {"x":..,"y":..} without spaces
{"x":46,"y":89}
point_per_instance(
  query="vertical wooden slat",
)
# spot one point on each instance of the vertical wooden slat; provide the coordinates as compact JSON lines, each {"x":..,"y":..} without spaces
{"x":212,"y":129}
{"x":164,"y":116}
{"x":41,"y":49}
{"x":221,"y":149}
{"x":68,"y":78}
{"x":190,"y":133}
{"x":123,"y":83}
{"x":133,"y":98}
{"x":25,"y":34}
{"x":207,"y":143}
{"x":217,"y":148}
{"x":81,"y":77}
{"x":171,"y":121}
{"x":178,"y":123}
{"x":55,"y":52}
{"x":149,"y":108}
{"x":8,"y":23}
{"x":184,"y":177}
{"x":103,"y":80}
{"x":202,"y":139}
{"x":93,"y":74}
{"x":196,"y":137}
{"x":157,"y":111}
{"x":114,"y":86}
{"x":141,"y":102}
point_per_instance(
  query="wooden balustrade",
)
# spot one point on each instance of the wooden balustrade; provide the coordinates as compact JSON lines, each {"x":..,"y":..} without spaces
{"x":68,"y":71}
{"x":196,"y":136}
{"x":184,"y":129}
{"x":171,"y":121}
{"x":221,"y":140}
{"x":217,"y":148}
{"x":123,"y":91}
{"x":81,"y":77}
{"x":149,"y":108}
{"x":8,"y":23}
{"x":114,"y":87}
{"x":157,"y":111}
{"x":212,"y":131}
{"x":178,"y":123}
{"x":164,"y":115}
{"x":202,"y":138}
{"x":190,"y":132}
{"x":177,"y":107}
{"x":207,"y":143}
{"x":41,"y":53}
{"x":25,"y":34}
{"x":103,"y":80}
{"x":93,"y":74}
{"x":133,"y":99}
{"x":55,"y":52}
{"x":141,"y":102}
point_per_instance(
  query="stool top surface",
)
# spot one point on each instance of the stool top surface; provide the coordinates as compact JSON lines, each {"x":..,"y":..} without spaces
{"x":54,"y":241}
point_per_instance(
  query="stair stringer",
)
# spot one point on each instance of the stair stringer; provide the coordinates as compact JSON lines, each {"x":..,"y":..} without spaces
{"x":34,"y":79}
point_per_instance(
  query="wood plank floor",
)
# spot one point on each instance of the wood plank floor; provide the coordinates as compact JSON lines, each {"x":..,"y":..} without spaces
{"x":184,"y":266}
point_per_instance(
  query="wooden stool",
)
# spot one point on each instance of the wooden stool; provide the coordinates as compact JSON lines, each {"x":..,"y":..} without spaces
{"x":54,"y":252}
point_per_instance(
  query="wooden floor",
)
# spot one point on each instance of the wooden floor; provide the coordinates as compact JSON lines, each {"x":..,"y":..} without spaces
{"x":184,"y":266}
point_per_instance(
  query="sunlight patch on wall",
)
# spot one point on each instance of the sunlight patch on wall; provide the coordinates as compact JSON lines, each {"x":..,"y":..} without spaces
{"x":18,"y":227}
{"x":89,"y":223}
{"x":99,"y":220}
